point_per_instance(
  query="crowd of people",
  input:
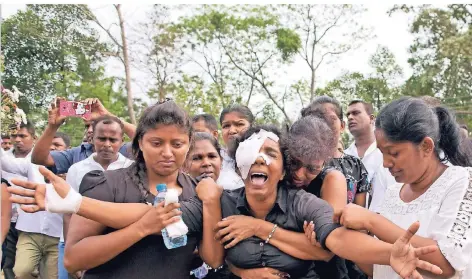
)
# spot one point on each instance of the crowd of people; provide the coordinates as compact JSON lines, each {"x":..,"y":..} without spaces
{"x":259,"y":201}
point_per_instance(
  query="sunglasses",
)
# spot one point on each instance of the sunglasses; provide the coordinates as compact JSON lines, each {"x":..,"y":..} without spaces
{"x":297,"y":164}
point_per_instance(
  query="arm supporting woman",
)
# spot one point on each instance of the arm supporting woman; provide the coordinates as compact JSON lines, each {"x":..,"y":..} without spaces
{"x":86,"y":248}
{"x":295,"y":244}
{"x":389,"y":232}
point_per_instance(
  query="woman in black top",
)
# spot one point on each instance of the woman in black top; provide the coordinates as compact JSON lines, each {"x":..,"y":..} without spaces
{"x":262,"y":197}
{"x":353,"y":169}
{"x":160,"y":147}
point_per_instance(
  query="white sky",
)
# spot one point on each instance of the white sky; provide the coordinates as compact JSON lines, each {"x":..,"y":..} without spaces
{"x":392,"y":32}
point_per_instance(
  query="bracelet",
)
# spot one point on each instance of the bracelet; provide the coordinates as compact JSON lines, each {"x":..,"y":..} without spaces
{"x":271,"y":233}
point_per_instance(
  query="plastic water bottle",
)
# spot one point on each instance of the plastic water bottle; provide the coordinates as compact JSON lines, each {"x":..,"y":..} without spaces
{"x":170,"y":242}
{"x":200,"y":272}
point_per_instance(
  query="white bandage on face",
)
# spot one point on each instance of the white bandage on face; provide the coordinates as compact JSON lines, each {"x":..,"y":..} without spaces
{"x":55,"y":204}
{"x":249,"y":150}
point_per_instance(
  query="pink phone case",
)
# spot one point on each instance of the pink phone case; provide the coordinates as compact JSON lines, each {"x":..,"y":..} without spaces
{"x":74,"y":109}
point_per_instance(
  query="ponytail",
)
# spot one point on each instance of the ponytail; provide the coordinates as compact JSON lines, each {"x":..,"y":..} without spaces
{"x":411,"y":119}
{"x":450,"y":141}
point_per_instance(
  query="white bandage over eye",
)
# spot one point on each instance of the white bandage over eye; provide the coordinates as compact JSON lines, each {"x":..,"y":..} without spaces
{"x":249,"y":150}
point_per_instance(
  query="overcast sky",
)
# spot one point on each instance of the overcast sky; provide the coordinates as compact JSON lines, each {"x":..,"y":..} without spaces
{"x":392,"y":32}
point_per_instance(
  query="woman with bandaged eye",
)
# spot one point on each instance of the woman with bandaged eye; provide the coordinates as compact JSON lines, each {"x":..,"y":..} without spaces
{"x":263,"y":197}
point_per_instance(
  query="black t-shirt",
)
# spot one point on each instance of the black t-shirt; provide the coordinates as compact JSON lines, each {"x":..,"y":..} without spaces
{"x":356,"y":178}
{"x":291,"y":209}
{"x":148,"y":258}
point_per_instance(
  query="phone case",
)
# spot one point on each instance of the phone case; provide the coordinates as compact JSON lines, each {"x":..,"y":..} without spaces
{"x":74,"y":109}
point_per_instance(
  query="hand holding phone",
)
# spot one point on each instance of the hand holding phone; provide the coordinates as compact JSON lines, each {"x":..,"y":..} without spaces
{"x":74,"y":109}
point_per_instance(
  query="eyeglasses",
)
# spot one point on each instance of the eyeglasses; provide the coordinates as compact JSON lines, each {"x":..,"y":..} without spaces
{"x":297,"y":164}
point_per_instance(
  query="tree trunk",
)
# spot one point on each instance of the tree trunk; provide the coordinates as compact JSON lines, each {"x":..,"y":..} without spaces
{"x":312,"y":85}
{"x":162,"y":93}
{"x":127,"y":66}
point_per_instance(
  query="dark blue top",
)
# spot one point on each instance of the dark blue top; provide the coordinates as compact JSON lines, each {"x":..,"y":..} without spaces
{"x":63,"y":160}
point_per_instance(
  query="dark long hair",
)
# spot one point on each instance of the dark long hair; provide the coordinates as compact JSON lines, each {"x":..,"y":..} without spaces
{"x":168,"y":113}
{"x":411,"y":119}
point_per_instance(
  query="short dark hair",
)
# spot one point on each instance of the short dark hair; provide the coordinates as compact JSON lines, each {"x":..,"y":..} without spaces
{"x":5,"y":136}
{"x":244,"y":111}
{"x":367,"y":106}
{"x":210,"y":121}
{"x":29,"y":126}
{"x":64,"y":137}
{"x":314,"y":108}
{"x":310,"y":138}
{"x":108,"y":119}
{"x":464,"y":126}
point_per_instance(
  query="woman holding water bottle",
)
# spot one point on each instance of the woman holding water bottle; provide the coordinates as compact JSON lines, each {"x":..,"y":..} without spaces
{"x":160,"y":147}
{"x":260,"y":157}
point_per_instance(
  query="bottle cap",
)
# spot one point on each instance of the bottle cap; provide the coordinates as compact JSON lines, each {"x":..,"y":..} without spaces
{"x":161,"y":188}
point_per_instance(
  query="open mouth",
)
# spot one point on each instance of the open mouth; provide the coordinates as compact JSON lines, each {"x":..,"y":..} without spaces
{"x":258,"y":178}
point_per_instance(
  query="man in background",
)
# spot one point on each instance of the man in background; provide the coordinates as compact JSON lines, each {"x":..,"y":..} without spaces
{"x":107,"y":139}
{"x":6,"y":142}
{"x":205,"y":123}
{"x":361,"y":120}
{"x":60,"y":161}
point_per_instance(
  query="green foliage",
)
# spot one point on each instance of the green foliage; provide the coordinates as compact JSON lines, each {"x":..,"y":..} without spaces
{"x":288,"y":43}
{"x":191,"y":94}
{"x":377,"y":88}
{"x":42,"y":45}
{"x":52,"y":50}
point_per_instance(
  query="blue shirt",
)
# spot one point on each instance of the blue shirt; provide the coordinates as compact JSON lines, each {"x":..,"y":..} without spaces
{"x":63,"y":160}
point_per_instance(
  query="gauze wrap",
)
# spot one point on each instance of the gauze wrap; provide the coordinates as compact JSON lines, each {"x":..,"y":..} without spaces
{"x":178,"y":228}
{"x":248,"y":151}
{"x":56,"y":204}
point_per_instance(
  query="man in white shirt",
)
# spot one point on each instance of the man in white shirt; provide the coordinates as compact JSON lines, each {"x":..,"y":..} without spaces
{"x":37,"y":234}
{"x":108,"y":134}
{"x":361,"y":119}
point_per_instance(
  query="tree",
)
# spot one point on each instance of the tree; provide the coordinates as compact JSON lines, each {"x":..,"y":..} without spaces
{"x":378,"y":88}
{"x":441,"y":55}
{"x":251,"y":39}
{"x":327,"y":31}
{"x":121,"y":52}
{"x":42,"y":45}
{"x":194,"y":97}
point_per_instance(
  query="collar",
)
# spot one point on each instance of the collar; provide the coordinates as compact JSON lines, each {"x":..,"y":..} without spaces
{"x":371,"y":148}
{"x":280,"y":201}
{"x":12,"y":152}
{"x":352,"y":149}
{"x":91,"y":159}
{"x":86,"y":146}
